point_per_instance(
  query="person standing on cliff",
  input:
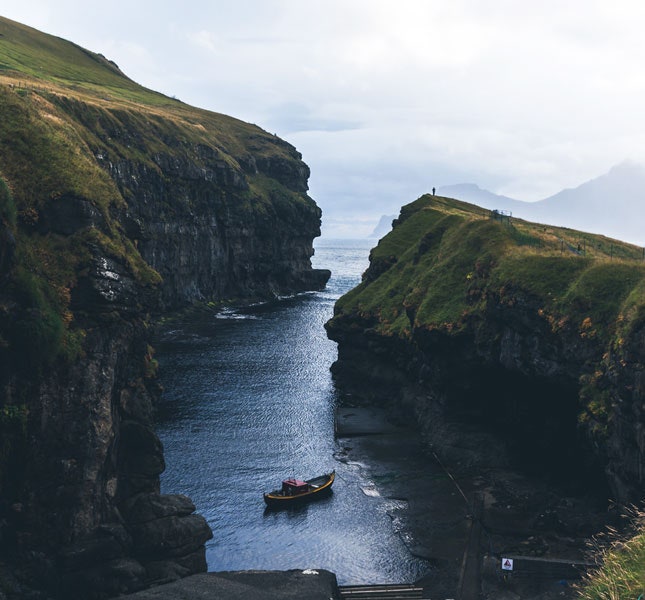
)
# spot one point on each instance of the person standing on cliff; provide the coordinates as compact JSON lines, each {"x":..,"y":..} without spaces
{"x":433,"y":191}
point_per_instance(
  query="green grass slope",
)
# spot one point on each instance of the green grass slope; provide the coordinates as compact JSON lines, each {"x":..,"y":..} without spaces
{"x":60,"y":107}
{"x":35,"y":56}
{"x":38,"y":62}
{"x":445,"y":258}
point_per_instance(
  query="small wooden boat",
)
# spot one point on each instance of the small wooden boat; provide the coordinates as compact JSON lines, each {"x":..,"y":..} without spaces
{"x":294,"y":491}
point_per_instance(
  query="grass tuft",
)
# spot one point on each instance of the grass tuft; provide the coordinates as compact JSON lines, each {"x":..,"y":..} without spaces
{"x":621,"y":575}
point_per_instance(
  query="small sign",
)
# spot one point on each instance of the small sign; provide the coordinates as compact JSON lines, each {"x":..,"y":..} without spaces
{"x":507,"y":564}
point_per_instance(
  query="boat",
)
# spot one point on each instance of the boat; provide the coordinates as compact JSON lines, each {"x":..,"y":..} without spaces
{"x":295,"y":491}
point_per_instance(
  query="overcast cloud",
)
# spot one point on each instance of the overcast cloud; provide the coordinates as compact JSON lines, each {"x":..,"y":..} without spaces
{"x":386,"y":99}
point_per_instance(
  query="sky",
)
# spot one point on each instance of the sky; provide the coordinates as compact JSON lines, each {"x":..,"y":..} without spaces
{"x":388,"y":99}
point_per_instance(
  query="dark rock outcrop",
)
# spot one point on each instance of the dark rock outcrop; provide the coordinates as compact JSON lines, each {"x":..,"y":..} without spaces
{"x":113,"y":210}
{"x":519,"y":386}
{"x":206,"y":242}
{"x":558,"y":383}
{"x":313,"y":584}
{"x":215,"y":223}
{"x":623,"y":375}
{"x":84,"y":513}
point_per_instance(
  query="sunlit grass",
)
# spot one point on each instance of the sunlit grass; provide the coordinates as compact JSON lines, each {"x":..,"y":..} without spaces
{"x":445,"y":257}
{"x":621,"y":575}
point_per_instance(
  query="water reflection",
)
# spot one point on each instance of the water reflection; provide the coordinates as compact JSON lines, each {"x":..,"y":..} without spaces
{"x":249,"y":401}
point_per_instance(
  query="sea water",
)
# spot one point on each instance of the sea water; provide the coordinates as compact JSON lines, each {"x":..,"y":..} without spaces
{"x":248,"y":401}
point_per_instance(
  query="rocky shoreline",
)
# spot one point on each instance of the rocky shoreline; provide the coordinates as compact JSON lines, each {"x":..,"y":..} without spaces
{"x":311,"y":584}
{"x":521,"y":516}
{"x":151,"y":214}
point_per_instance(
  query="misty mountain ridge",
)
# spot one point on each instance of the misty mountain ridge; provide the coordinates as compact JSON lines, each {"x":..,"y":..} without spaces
{"x":612,"y":204}
{"x":383,"y":227}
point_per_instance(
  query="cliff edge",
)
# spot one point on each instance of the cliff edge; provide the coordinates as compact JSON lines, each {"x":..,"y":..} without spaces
{"x":535,"y":334}
{"x":116,"y":203}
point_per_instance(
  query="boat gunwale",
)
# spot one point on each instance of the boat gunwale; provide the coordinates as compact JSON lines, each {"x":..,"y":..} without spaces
{"x":273,"y":496}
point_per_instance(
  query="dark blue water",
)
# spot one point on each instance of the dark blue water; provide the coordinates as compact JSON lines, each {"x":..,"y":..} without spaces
{"x":248,"y":401}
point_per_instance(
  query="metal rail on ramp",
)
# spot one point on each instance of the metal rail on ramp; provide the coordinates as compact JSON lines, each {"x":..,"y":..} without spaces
{"x":381,"y":592}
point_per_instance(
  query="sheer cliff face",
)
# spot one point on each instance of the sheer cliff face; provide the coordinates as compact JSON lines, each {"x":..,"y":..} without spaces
{"x":454,"y":324}
{"x":109,"y":213}
{"x":80,"y":507}
{"x":207,"y":232}
{"x":216,"y":222}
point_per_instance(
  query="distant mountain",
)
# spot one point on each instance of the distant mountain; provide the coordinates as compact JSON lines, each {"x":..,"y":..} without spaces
{"x":470,"y":192}
{"x":383,"y":227}
{"x":612,"y":204}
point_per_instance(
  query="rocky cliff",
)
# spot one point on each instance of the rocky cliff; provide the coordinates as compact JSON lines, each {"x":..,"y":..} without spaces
{"x":468,"y":320}
{"x":116,"y":203}
{"x":215,"y":221}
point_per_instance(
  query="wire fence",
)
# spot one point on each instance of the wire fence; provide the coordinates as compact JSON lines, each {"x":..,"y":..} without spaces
{"x":578,"y":243}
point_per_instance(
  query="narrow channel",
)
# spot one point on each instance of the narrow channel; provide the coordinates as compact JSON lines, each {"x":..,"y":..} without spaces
{"x":248,"y":401}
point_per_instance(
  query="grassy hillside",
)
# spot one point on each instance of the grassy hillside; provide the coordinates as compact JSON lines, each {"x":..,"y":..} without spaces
{"x":62,"y":106}
{"x":34,"y":63}
{"x":445,"y":257}
{"x":46,"y":60}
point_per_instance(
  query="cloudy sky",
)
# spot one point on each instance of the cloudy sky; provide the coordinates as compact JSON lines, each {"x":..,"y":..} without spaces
{"x":388,"y":98}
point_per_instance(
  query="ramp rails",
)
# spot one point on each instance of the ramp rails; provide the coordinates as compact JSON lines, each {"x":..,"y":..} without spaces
{"x":381,"y":592}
